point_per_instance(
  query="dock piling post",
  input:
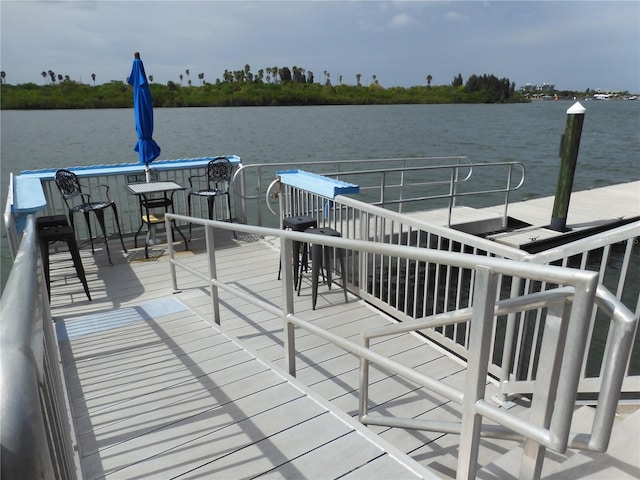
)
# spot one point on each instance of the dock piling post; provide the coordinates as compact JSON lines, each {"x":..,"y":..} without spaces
{"x":569,"y":154}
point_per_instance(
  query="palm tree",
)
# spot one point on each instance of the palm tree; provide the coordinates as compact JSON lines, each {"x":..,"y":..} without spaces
{"x":150,"y":78}
{"x":93,"y":77}
{"x":3,"y":75}
{"x":180,"y":76}
{"x":44,"y":75}
{"x":201,"y":77}
{"x":429,"y":78}
{"x":188,"y":77}
{"x":358,"y":77}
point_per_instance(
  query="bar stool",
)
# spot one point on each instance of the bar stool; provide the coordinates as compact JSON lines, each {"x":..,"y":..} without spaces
{"x":321,"y":257}
{"x":297,"y":223}
{"x":56,"y":228}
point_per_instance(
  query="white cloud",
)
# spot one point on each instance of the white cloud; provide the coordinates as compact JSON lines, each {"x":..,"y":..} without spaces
{"x":401,"y":20}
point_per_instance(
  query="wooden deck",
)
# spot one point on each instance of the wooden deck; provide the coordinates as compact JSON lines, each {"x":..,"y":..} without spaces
{"x":158,"y":391}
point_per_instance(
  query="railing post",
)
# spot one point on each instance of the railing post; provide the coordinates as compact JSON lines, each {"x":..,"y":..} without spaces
{"x":452,"y":193}
{"x":211,"y":255}
{"x":509,"y":340}
{"x":172,"y":267}
{"x":505,"y":216}
{"x":239,"y":193}
{"x":288,"y":288}
{"x":364,"y":380}
{"x":485,"y":288}
{"x":555,"y":331}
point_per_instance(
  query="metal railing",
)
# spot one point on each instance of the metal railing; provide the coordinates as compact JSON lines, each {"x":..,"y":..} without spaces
{"x":36,"y":430}
{"x":411,"y":289}
{"x":565,"y":333}
{"x":396,"y":183}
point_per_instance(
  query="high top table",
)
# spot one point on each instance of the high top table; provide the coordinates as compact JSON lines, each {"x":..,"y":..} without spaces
{"x":154,"y":195}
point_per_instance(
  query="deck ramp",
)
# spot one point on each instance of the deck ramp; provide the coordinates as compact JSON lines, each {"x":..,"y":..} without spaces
{"x":156,"y":392}
{"x":164,"y":391}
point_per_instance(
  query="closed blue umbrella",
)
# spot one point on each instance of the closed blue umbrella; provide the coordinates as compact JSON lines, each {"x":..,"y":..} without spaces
{"x":146,"y":147}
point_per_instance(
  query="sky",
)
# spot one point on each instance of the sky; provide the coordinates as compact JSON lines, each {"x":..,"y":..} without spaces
{"x":573,"y":45}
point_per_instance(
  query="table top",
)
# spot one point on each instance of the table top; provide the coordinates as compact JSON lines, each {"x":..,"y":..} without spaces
{"x":153,"y":187}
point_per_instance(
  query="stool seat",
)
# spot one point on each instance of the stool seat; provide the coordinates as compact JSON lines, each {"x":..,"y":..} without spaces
{"x":52,"y":221}
{"x":56,"y":228}
{"x":297,"y":223}
{"x":321,"y":257}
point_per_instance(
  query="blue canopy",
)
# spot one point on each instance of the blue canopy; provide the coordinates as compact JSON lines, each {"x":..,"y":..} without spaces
{"x":146,"y":147}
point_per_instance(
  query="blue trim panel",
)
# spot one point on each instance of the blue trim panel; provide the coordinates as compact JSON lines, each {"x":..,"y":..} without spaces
{"x":318,"y":184}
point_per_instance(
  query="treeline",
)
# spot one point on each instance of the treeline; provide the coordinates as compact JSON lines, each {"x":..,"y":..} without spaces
{"x":238,"y":90}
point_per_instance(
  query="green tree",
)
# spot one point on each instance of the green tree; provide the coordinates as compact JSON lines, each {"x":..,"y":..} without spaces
{"x":429,"y":78}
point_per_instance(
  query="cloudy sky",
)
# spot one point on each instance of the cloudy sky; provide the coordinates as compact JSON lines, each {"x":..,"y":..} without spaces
{"x":574,"y":44}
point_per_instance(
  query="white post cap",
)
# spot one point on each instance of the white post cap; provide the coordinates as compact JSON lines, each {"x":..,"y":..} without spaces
{"x":576,"y":109}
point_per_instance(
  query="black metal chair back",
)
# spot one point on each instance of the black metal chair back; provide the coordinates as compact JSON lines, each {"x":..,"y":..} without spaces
{"x":218,"y":177}
{"x":219,"y":171}
{"x":69,"y":186}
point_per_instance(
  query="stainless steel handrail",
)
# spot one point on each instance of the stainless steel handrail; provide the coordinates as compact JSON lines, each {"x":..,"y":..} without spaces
{"x":570,"y":308}
{"x":36,"y":432}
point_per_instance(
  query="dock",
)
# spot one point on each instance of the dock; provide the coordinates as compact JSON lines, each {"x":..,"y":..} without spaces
{"x":588,"y":209}
{"x":158,"y":390}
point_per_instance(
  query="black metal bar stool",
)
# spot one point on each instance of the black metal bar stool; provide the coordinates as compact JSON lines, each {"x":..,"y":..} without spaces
{"x":56,"y":228}
{"x":321,"y":257}
{"x":297,"y":223}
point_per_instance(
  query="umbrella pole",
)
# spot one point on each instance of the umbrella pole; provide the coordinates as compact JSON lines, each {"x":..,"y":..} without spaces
{"x":147,"y":173}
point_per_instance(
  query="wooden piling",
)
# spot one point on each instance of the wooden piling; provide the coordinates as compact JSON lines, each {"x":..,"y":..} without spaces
{"x":569,"y":150}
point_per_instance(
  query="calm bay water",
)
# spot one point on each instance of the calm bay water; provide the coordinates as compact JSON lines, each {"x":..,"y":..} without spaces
{"x":529,"y":133}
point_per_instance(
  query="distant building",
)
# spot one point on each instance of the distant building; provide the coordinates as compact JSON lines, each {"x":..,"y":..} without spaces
{"x":544,"y":88}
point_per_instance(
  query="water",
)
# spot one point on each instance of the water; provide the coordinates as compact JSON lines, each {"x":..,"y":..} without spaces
{"x":529,"y":133}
